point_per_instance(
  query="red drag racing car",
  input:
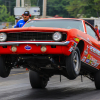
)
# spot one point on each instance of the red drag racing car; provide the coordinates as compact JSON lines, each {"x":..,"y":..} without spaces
{"x":61,"y":46}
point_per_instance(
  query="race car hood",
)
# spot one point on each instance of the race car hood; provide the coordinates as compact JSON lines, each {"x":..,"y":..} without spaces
{"x":35,"y":29}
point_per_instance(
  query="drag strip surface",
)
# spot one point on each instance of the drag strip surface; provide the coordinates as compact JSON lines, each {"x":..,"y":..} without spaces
{"x":17,"y":87}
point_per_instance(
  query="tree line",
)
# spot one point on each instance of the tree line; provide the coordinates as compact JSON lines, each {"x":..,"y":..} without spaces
{"x":64,"y":8}
{"x":74,"y":8}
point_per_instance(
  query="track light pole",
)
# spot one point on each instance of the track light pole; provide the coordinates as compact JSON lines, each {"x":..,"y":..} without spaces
{"x":44,"y":8}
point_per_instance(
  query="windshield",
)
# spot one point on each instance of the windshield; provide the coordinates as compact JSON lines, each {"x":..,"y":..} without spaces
{"x":64,"y":23}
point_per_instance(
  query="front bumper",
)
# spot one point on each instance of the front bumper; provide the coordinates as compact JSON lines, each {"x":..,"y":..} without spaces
{"x":37,"y":43}
{"x":35,"y":47}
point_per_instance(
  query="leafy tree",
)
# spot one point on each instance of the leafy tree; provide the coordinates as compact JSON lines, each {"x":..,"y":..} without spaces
{"x":54,"y":7}
{"x":3,"y":13}
{"x":87,"y":8}
{"x":10,"y":4}
{"x":34,"y":2}
{"x":97,"y":7}
{"x":57,"y":7}
{"x":4,"y":16}
{"x":10,"y":19}
{"x":64,"y":8}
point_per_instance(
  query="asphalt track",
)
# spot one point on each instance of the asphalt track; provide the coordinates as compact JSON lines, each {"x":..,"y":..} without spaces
{"x":17,"y":87}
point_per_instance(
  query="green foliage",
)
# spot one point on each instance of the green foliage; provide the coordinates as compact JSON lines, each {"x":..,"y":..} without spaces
{"x":10,"y":4}
{"x":64,"y":8}
{"x":54,"y":7}
{"x":3,"y":13}
{"x":97,"y":6}
{"x":85,"y":8}
{"x":4,"y":16}
{"x":70,"y":8}
{"x":57,"y":7}
{"x":34,"y":2}
{"x":10,"y":19}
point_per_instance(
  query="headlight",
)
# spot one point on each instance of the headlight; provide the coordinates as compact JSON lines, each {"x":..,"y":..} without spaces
{"x":3,"y":37}
{"x":57,"y":36}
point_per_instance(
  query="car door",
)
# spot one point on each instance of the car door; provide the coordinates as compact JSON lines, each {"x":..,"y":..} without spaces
{"x":92,"y":35}
{"x":94,"y":48}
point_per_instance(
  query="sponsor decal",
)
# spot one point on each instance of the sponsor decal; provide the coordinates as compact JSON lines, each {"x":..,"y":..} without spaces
{"x":21,"y":23}
{"x":95,"y":63}
{"x":88,"y":57}
{"x":28,"y":47}
{"x":83,"y":59}
{"x":76,"y":39}
{"x":71,"y":49}
{"x":86,"y":51}
{"x":90,"y":60}
{"x":87,"y":61}
{"x":74,"y":45}
{"x":94,"y":50}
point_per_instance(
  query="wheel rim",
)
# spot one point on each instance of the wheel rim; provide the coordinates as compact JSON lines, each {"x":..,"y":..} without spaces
{"x":76,"y":63}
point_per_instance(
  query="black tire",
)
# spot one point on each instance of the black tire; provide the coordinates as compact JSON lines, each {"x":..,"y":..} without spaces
{"x":36,"y":81}
{"x":4,"y":70}
{"x":73,"y":64}
{"x":97,"y":80}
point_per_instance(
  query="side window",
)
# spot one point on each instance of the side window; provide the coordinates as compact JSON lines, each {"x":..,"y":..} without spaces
{"x":91,"y":32}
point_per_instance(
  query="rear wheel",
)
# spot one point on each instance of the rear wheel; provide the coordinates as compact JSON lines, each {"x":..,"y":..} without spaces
{"x":4,"y":70}
{"x":36,"y":81}
{"x":73,"y":64}
{"x":97,"y":80}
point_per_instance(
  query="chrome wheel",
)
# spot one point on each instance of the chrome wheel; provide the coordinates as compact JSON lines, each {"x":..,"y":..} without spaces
{"x":76,"y":62}
{"x":73,"y":64}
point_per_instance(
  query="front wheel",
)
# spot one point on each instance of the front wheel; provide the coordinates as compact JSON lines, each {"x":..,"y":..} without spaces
{"x":73,"y":64}
{"x":4,"y":70}
{"x":36,"y":81}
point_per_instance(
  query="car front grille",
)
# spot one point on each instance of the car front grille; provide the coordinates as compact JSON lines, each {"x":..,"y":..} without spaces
{"x":32,"y":36}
